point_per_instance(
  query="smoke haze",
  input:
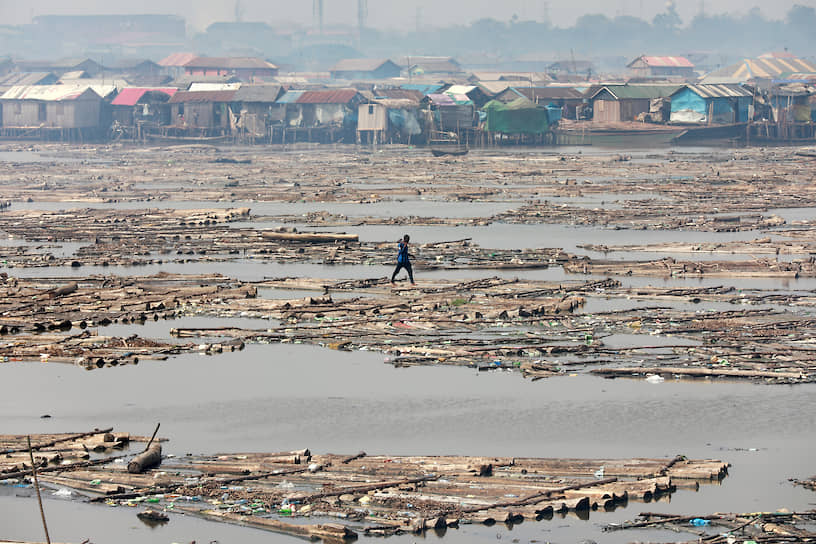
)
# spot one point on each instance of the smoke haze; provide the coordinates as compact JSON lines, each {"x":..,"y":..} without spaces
{"x":386,"y":14}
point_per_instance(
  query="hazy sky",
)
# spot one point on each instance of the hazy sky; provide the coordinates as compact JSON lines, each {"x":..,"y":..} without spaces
{"x":385,"y":13}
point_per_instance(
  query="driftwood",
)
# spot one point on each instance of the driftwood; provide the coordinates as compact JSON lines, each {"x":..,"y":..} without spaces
{"x":755,"y":526}
{"x":148,"y":459}
{"x":313,"y":237}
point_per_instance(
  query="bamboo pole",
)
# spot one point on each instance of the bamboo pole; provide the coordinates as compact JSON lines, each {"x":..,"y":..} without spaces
{"x":37,"y":488}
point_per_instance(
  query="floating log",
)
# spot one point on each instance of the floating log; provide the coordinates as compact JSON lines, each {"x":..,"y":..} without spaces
{"x":146,"y":460}
{"x":698,"y":372}
{"x":313,"y":237}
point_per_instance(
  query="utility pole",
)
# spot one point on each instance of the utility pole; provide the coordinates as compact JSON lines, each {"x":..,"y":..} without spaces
{"x":317,"y":15}
{"x":362,"y":14}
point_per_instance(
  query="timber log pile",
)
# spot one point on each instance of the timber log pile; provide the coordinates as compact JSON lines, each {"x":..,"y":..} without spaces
{"x":56,"y":320}
{"x":369,"y":494}
{"x":668,"y":267}
{"x":724,"y":528}
{"x":62,"y":452}
{"x":688,"y":191}
{"x":539,"y":329}
{"x":157,"y":236}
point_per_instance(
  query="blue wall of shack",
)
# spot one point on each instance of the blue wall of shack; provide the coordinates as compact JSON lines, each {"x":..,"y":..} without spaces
{"x":723,"y":107}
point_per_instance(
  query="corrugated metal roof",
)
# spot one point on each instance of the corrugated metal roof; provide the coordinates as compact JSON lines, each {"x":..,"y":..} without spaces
{"x":184,"y":82}
{"x":27,"y":78}
{"x":433,"y":65}
{"x":333,"y":96}
{"x":765,"y":68}
{"x":399,"y":94}
{"x":102,"y":87}
{"x":132,"y":95}
{"x":725,"y":90}
{"x":201,"y":96}
{"x":667,"y":62}
{"x":47,"y":93}
{"x":459,"y":89}
{"x":495,"y":87}
{"x":131,"y":64}
{"x":638,"y":91}
{"x":536,"y":77}
{"x":198,"y":86}
{"x":358,"y":65}
{"x":290,"y":97}
{"x":230,"y":63}
{"x":397,"y":103}
{"x":257,"y":93}
{"x":429,"y":60}
{"x":441,"y":100}
{"x":549,"y":93}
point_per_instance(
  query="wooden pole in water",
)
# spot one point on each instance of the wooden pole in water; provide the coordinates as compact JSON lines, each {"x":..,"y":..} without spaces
{"x":37,"y":487}
{"x":154,"y":436}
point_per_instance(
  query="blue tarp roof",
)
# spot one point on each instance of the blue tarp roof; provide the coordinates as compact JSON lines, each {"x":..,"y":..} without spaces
{"x":424,"y":88}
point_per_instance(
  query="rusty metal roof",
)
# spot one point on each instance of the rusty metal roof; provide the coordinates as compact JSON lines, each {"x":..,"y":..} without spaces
{"x":230,"y":63}
{"x":201,"y":96}
{"x":177,"y":59}
{"x":331,"y":96}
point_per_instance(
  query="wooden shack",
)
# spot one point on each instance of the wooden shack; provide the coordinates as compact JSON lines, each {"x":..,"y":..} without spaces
{"x":139,"y":109}
{"x":247,"y":69}
{"x":323,"y":115}
{"x":616,"y":103}
{"x":711,"y":104}
{"x":568,"y":98}
{"x":258,"y":110}
{"x":201,"y":113}
{"x":646,"y":66}
{"x":56,"y":111}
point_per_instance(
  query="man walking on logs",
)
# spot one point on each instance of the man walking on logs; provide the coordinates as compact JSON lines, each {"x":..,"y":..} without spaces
{"x":403,"y":260}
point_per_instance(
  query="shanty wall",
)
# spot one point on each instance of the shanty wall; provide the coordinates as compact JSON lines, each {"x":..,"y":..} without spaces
{"x":255,"y":116}
{"x":313,"y":115}
{"x":372,"y":117}
{"x":456,"y":117}
{"x":201,"y":115}
{"x":619,"y":110}
{"x":605,"y":111}
{"x":80,"y":113}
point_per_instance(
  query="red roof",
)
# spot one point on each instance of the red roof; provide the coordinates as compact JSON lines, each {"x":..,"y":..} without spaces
{"x":333,"y":96}
{"x":682,"y":62}
{"x":201,"y":96}
{"x":130,"y":96}
{"x":177,"y":59}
